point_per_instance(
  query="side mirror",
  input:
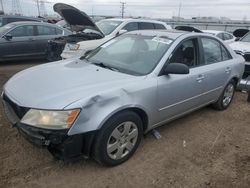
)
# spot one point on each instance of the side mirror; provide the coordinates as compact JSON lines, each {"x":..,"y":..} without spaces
{"x":176,"y":68}
{"x":237,"y":38}
{"x":122,"y":31}
{"x":7,"y":36}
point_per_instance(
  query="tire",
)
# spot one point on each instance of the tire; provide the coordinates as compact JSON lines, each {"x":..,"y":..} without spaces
{"x":113,"y":136}
{"x":222,"y":104}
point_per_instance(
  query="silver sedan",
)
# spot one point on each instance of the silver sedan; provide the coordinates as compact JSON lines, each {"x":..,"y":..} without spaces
{"x":101,"y":104}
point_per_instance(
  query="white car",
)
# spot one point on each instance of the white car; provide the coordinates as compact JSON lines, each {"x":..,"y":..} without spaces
{"x":242,"y":47}
{"x":108,"y":28}
{"x":223,"y":35}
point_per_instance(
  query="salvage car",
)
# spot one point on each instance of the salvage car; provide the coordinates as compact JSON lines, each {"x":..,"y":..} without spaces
{"x":90,"y":35}
{"x":101,"y":104}
{"x":223,"y":35}
{"x":242,"y":47}
{"x":27,"y":40}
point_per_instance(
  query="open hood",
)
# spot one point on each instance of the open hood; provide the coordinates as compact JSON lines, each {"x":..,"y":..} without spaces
{"x":77,"y":19}
{"x":240,"y":32}
{"x":188,"y":28}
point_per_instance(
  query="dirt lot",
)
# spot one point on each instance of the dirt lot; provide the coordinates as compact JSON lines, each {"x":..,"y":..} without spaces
{"x":205,"y":149}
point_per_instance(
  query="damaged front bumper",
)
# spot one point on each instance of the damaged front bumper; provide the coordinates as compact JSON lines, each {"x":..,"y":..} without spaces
{"x":58,"y":142}
{"x":60,"y":145}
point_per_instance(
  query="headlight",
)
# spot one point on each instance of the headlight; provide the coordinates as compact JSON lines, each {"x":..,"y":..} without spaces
{"x":72,"y":46}
{"x":50,"y":119}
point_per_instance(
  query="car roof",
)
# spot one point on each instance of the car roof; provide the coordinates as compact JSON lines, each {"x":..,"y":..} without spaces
{"x":30,"y":22}
{"x":213,"y":31}
{"x":171,"y":33}
{"x":24,"y":17}
{"x":133,"y":19}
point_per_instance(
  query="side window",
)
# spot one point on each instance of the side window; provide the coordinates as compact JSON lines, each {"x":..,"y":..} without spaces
{"x":213,"y":51}
{"x":59,"y":31}
{"x":186,"y":53}
{"x":146,"y":25}
{"x":46,"y":30}
{"x":225,"y":54}
{"x":131,"y":26}
{"x":159,"y":26}
{"x":22,"y":31}
{"x":220,"y":35}
{"x":227,"y":36}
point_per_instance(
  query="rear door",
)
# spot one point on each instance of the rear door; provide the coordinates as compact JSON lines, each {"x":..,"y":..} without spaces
{"x":179,"y":94}
{"x":218,"y":64}
{"x":22,"y":42}
{"x":43,"y":34}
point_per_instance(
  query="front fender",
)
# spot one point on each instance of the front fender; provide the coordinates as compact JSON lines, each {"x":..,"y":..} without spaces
{"x":98,"y":108}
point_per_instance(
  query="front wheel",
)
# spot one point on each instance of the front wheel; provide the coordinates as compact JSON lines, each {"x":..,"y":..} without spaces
{"x":118,"y":139}
{"x":226,"y":97}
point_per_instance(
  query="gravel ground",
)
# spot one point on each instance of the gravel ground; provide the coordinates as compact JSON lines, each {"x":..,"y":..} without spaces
{"x":204,"y":149}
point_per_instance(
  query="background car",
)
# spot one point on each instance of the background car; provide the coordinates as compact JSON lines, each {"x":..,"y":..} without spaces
{"x":91,"y":35}
{"x":242,"y":47}
{"x":101,"y":104}
{"x":25,"y":40}
{"x":225,"y":36}
{"x":6,"y":19}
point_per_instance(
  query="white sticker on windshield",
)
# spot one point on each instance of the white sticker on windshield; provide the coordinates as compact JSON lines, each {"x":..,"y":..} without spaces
{"x":162,"y":40}
{"x":108,"y":43}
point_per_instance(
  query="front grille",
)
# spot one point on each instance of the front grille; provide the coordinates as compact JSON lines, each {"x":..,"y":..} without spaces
{"x":20,"y":111}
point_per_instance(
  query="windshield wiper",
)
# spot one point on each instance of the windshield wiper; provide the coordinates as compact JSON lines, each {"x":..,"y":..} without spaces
{"x":101,"y":64}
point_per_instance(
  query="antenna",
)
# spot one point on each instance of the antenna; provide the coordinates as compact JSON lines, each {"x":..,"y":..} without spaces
{"x":122,"y":8}
{"x":179,"y":12}
{"x":16,"y":7}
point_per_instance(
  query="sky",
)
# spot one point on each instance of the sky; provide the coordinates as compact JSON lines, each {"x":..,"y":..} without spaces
{"x":233,"y":9}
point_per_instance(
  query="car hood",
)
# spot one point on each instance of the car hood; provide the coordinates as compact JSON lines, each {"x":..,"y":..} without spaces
{"x":77,"y":19}
{"x":57,"y":85}
{"x":240,"y":46}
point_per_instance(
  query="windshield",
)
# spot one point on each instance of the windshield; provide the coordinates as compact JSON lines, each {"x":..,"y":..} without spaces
{"x":246,"y":38}
{"x":108,"y":26}
{"x":131,"y":54}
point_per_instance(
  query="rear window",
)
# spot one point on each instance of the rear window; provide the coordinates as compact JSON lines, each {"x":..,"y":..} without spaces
{"x":146,"y":25}
{"x":59,"y":31}
{"x":159,"y":26}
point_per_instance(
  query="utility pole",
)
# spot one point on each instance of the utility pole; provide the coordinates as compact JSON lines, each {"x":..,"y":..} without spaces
{"x":122,"y":8}
{"x":1,"y":3}
{"x":16,"y":7}
{"x":179,"y":12}
{"x":38,"y":7}
{"x":43,"y":11}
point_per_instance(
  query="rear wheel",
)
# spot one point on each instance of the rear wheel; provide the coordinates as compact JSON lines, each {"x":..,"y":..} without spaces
{"x":118,"y":139}
{"x":226,"y":97}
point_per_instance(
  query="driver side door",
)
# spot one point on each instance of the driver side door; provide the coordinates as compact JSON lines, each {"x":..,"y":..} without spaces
{"x":20,"y":45}
{"x":180,"y":94}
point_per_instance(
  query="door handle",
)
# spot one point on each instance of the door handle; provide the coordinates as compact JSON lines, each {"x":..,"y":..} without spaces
{"x":200,"y":78}
{"x":228,"y":70}
{"x":31,"y":39}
